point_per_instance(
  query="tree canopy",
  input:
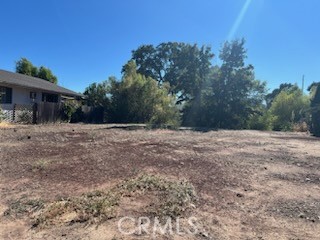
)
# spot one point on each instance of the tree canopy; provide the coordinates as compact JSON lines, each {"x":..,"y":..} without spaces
{"x":97,"y":94}
{"x":231,"y":93}
{"x":24,"y":66}
{"x":283,"y":87}
{"x":183,"y":66}
{"x":161,"y":83}
{"x":139,"y":99}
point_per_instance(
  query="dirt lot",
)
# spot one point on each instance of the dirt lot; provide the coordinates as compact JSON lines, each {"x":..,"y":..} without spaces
{"x":250,"y":184}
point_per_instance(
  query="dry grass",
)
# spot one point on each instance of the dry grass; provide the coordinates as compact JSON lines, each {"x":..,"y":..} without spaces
{"x":24,"y":206}
{"x":175,"y":198}
{"x":94,"y":207}
{"x":6,"y":125}
{"x":40,"y":165}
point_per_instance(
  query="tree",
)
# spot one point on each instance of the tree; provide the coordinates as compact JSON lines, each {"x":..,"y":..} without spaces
{"x":24,"y":66}
{"x":313,"y":88}
{"x":139,"y":99}
{"x":289,"y":107}
{"x":46,"y":74}
{"x":315,"y":109}
{"x":283,"y":87}
{"x":97,"y":94}
{"x":182,"y":65}
{"x":230,"y":95}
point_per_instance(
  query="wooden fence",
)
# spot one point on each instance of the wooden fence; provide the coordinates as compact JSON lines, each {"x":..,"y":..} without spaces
{"x":46,"y":112}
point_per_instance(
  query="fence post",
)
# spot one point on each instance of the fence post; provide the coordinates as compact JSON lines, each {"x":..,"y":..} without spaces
{"x":34,"y":113}
{"x":14,"y":112}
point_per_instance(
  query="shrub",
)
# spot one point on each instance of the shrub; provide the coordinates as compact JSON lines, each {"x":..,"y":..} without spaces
{"x":68,"y":109}
{"x":262,"y":121}
{"x":25,"y":117}
{"x":288,"y":108}
{"x":139,"y":99}
{"x":300,"y":127}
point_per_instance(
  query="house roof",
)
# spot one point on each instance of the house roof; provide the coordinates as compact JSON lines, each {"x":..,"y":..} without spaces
{"x":21,"y":80}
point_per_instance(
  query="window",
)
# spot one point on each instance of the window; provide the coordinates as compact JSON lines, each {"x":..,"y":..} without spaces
{"x":48,"y":97}
{"x":5,"y":95}
{"x":33,"y":95}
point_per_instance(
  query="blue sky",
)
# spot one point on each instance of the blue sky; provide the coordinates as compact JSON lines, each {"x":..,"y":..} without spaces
{"x":84,"y":41}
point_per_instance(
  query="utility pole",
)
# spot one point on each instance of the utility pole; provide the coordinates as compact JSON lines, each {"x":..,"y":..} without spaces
{"x":302,"y":88}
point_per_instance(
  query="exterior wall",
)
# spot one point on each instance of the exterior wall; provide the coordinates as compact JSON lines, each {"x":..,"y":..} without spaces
{"x":22,"y":96}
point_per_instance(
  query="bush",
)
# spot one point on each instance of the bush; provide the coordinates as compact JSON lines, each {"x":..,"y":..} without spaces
{"x":68,"y":109}
{"x":288,"y":108}
{"x":139,"y":99}
{"x":300,"y":127}
{"x":25,"y":117}
{"x":262,"y":121}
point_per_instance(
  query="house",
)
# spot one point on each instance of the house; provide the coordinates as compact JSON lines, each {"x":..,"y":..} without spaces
{"x":18,"y":91}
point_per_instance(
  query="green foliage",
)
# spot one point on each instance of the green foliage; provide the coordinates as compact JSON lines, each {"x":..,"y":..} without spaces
{"x":261,"y":121}
{"x":97,"y":94}
{"x":283,"y":87}
{"x":69,"y":108}
{"x":182,"y":65}
{"x":313,"y":89}
{"x":288,"y":107}
{"x":315,"y":111}
{"x":139,"y":99}
{"x":161,"y":80}
{"x":24,"y":66}
{"x":230,"y":95}
{"x":46,"y":74}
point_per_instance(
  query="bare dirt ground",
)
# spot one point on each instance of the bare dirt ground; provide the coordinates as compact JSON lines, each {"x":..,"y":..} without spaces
{"x":250,"y":184}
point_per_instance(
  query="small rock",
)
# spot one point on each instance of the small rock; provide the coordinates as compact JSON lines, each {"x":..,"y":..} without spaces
{"x":204,"y":234}
{"x":240,"y":195}
{"x":308,"y":179}
{"x":192,"y":205}
{"x":29,"y":137}
{"x":301,"y":215}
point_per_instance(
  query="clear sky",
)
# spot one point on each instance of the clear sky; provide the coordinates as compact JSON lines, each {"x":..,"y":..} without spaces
{"x":85,"y":41}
